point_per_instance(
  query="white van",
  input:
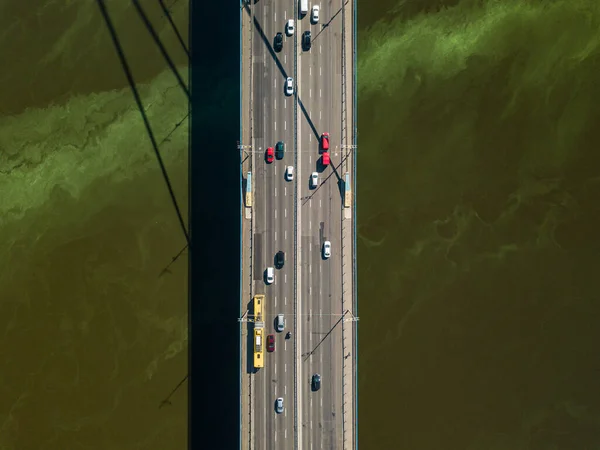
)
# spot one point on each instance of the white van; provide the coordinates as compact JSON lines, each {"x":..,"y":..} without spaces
{"x":303,"y":7}
{"x":270,"y":275}
{"x":280,"y":322}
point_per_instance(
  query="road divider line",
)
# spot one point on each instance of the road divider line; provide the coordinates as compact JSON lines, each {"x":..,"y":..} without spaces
{"x":285,"y":235}
{"x":309,"y":92}
{"x":276,"y":235}
{"x":276,"y":214}
{"x":276,"y":102}
{"x":276,"y":196}
{"x":285,"y":278}
{"x":285,"y":125}
{"x":275,"y":126}
{"x":285,"y":212}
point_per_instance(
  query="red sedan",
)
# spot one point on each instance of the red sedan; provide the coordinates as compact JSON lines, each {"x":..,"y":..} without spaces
{"x":270,"y":343}
{"x":270,"y":156}
{"x":325,"y":141}
{"x":325,"y":158}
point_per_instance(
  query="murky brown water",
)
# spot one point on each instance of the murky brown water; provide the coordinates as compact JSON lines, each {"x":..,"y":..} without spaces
{"x":479,"y":184}
{"x":93,"y":338}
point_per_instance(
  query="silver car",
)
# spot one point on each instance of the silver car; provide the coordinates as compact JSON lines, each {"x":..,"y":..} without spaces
{"x":279,"y":405}
{"x":289,"y":86}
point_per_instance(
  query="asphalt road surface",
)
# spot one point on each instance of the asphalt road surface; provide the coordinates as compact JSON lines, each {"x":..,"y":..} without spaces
{"x":319,"y":99}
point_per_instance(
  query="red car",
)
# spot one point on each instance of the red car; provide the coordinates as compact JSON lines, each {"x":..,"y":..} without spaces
{"x":270,"y":343}
{"x":270,"y":155}
{"x":325,"y":141}
{"x":325,"y":158}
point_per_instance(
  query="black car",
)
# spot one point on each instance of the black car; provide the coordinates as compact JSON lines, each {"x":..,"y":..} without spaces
{"x":279,"y":259}
{"x":316,"y":382}
{"x":278,"y":42}
{"x":279,"y":150}
{"x":306,"y":40}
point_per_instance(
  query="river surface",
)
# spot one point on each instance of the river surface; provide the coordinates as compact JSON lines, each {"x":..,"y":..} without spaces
{"x":95,"y":331}
{"x":478,"y":212}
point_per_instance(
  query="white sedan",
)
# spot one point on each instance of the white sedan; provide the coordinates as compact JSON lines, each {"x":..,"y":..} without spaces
{"x":289,"y":173}
{"x":326,"y":249}
{"x":314,"y":180}
{"x":289,"y":27}
{"x":289,"y":86}
{"x":314,"y":16}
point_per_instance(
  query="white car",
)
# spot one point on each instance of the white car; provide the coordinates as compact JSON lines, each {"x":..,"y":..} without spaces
{"x":289,"y":27}
{"x":270,"y":275}
{"x":279,"y":405}
{"x":289,"y":86}
{"x":289,"y":173}
{"x":314,"y":16}
{"x":314,"y":179}
{"x":326,"y":249}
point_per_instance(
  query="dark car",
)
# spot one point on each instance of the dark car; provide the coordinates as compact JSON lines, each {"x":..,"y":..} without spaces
{"x":279,"y":150}
{"x":279,"y":259}
{"x":316,"y":382}
{"x":278,"y":42}
{"x":306,"y":40}
{"x":270,"y":155}
{"x":270,"y":343}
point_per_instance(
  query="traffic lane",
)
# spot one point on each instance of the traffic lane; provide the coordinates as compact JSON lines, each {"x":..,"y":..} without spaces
{"x":306,"y":318}
{"x":284,"y":224}
{"x":320,"y":354}
{"x":333,"y":408}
